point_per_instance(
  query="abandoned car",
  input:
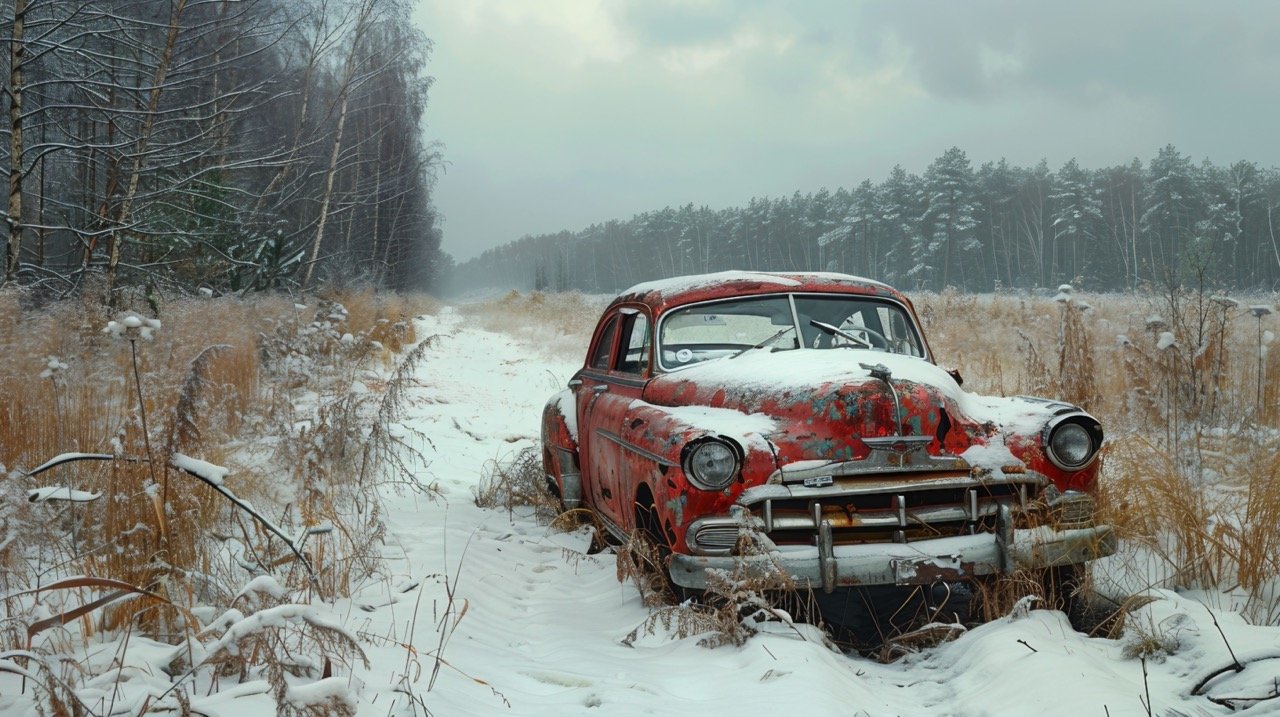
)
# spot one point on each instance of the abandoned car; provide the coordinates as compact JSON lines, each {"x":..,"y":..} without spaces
{"x":808,"y":408}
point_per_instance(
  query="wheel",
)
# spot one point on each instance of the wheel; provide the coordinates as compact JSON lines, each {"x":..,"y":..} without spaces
{"x":1065,"y":590}
{"x":649,"y":552}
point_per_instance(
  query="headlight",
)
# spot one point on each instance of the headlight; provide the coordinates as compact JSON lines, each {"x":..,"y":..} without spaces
{"x":1073,"y":442}
{"x":711,"y":463}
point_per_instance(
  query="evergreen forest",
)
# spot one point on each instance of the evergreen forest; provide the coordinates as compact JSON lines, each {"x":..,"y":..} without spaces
{"x":994,"y":227}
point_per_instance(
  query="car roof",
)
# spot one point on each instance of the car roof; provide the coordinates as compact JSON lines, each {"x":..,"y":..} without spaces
{"x":665,"y":293}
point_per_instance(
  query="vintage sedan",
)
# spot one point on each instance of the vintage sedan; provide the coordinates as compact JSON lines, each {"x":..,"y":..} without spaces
{"x":808,"y":408}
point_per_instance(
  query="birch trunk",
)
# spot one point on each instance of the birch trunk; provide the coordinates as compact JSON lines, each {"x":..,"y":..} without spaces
{"x":16,"y":59}
{"x":344,"y":101}
{"x":148,"y":123}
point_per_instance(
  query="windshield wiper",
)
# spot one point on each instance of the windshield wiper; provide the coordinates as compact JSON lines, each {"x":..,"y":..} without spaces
{"x":764,"y":343}
{"x":833,"y":331}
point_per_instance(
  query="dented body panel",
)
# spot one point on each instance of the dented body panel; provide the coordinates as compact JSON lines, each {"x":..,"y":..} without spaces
{"x":809,"y":407}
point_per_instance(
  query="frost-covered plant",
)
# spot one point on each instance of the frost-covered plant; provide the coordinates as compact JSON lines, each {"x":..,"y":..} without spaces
{"x":734,"y":604}
{"x":1076,"y":373}
{"x":287,"y":645}
{"x":518,"y":482}
{"x":1153,"y":641}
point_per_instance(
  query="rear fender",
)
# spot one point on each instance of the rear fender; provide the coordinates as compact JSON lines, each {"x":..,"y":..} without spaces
{"x":560,"y":449}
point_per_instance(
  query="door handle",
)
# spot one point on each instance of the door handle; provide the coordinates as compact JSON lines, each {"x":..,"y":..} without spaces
{"x":599,"y":388}
{"x":575,"y":382}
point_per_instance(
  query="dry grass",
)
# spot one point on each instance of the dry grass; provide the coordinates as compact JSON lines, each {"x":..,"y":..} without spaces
{"x":518,"y":481}
{"x":220,"y":378}
{"x":731,"y":609}
{"x":1192,"y":412}
{"x":560,"y":324}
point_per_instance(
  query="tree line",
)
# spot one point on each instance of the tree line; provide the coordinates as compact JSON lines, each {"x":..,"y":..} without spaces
{"x":995,"y":227}
{"x":232,"y":146}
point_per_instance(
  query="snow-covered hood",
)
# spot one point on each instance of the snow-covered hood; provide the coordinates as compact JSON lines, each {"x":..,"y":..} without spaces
{"x":824,"y":401}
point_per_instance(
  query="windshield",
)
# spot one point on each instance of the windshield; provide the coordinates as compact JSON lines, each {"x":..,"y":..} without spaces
{"x":790,"y":321}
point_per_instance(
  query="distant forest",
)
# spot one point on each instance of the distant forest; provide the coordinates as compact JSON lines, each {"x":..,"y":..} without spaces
{"x":996,"y":227}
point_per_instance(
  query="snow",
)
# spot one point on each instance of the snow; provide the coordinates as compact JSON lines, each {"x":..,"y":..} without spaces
{"x":724,"y":421}
{"x":783,"y":281}
{"x":53,"y":366}
{"x":994,"y":456}
{"x":1166,"y":340}
{"x":132,"y":327}
{"x":40,"y":495}
{"x":687,"y":283}
{"x":264,"y":584}
{"x":68,"y":458}
{"x":484,"y":612}
{"x":208,"y":472}
{"x":799,"y":370}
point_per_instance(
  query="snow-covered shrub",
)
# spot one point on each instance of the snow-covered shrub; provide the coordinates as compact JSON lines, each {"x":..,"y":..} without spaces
{"x":209,"y":387}
{"x":294,"y":649}
{"x":518,"y":482}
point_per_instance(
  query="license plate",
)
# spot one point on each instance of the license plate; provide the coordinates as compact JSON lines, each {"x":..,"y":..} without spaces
{"x":926,"y":571}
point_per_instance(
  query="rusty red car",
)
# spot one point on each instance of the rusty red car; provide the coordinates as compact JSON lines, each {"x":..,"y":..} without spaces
{"x":808,"y":407}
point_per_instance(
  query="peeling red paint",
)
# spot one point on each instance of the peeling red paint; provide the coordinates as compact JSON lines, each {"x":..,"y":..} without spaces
{"x":631,"y":437}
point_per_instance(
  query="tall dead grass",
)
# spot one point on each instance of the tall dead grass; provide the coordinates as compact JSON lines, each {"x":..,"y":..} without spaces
{"x":220,"y":379}
{"x":1187,"y":385}
{"x":555,"y":322}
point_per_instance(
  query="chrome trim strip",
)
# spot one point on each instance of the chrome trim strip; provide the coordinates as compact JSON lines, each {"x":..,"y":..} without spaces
{"x":883,"y":459}
{"x":814,"y":520}
{"x":606,"y":377}
{"x":615,"y":438}
{"x":775,"y":491}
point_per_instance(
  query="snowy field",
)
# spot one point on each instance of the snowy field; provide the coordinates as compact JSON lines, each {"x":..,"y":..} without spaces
{"x":544,"y":628}
{"x":486,"y":613}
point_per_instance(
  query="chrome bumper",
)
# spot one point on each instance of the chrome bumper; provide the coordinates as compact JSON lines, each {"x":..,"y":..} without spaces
{"x":924,"y":562}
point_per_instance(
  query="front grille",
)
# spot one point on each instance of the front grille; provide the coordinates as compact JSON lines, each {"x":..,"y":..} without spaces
{"x":903,"y":510}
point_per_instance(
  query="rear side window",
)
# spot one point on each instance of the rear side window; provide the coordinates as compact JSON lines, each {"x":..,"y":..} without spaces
{"x":634,"y":357}
{"x":604,"y":349}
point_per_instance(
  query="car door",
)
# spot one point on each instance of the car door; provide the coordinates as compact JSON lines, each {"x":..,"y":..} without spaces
{"x":613,"y":379}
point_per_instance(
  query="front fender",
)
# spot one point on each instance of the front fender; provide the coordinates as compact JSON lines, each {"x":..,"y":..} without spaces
{"x":656,"y":436}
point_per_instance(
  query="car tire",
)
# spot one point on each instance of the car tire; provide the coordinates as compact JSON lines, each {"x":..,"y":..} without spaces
{"x":649,"y":528}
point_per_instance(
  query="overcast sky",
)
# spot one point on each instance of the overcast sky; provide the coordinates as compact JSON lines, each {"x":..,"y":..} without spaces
{"x":554,"y":114}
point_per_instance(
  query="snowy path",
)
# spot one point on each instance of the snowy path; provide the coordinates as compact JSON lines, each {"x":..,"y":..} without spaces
{"x":543,"y":627}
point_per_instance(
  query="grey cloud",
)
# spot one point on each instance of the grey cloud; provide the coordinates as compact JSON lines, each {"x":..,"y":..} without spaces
{"x":1082,"y":51}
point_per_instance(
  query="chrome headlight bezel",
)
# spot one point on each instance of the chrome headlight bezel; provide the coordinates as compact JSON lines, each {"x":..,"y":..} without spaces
{"x":720,"y":464}
{"x":1074,"y":427}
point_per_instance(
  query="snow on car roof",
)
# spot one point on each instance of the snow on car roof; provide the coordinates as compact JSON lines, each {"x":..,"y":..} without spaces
{"x":665,"y":289}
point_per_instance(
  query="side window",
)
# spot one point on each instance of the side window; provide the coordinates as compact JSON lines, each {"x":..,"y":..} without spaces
{"x":634,"y":357}
{"x":901,"y":339}
{"x":604,"y":349}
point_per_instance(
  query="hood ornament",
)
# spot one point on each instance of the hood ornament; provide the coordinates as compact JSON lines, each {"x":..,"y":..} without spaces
{"x":881,"y":372}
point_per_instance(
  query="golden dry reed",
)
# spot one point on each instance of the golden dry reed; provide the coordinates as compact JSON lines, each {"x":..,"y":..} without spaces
{"x":1187,"y":385}
{"x":216,"y":378}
